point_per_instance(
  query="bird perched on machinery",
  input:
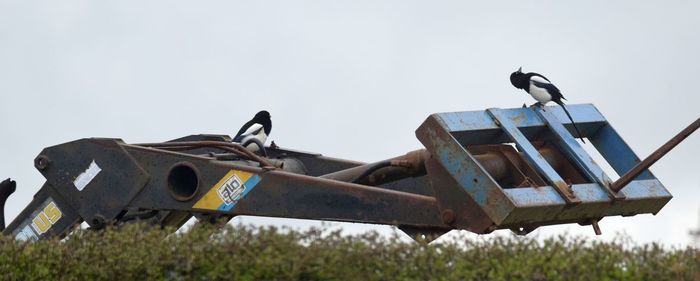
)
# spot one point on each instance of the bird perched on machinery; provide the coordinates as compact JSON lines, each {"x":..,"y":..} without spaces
{"x":254,"y":133}
{"x":542,"y":90}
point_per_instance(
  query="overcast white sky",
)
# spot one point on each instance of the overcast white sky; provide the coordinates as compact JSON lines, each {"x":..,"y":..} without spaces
{"x":351,"y":79}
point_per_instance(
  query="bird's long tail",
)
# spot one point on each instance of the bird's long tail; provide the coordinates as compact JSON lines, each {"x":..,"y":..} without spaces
{"x":572,"y":121}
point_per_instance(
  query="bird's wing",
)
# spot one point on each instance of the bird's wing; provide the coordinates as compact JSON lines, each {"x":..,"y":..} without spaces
{"x":542,"y":82}
{"x":254,"y":138}
{"x":539,"y":77}
{"x":253,"y":130}
{"x":246,"y":126}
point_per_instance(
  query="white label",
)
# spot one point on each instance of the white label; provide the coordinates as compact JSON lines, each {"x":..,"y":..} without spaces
{"x":86,"y":177}
{"x":26,"y":234}
{"x":231,"y":190}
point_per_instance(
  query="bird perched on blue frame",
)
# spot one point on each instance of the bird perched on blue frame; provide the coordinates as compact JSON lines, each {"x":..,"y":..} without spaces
{"x":254,"y":133}
{"x":542,"y":90}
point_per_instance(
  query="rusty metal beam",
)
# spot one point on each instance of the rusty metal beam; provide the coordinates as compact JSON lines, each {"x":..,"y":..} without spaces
{"x":660,"y":152}
{"x":412,"y":164}
{"x":409,"y":165}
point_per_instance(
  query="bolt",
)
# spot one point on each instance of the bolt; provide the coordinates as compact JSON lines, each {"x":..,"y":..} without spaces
{"x":448,"y":216}
{"x":98,"y":222}
{"x":41,"y":162}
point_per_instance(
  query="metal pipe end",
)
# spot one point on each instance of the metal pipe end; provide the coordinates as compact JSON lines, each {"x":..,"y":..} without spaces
{"x":7,"y":187}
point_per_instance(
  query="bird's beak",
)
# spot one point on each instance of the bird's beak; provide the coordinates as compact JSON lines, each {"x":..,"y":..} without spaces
{"x":520,"y":69}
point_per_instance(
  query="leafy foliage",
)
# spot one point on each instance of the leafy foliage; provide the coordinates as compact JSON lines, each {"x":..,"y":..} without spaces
{"x":138,"y":252}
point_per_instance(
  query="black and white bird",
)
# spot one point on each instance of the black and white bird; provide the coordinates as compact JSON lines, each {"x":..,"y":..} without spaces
{"x":542,"y":90}
{"x":254,"y":133}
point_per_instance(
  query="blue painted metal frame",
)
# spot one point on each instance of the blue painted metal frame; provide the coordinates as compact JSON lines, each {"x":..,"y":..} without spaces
{"x":446,"y":135}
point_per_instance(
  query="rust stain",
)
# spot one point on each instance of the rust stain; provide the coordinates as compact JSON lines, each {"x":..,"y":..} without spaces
{"x":518,"y":118}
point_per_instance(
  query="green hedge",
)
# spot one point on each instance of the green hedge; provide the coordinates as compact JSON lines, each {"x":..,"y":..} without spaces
{"x":245,"y":253}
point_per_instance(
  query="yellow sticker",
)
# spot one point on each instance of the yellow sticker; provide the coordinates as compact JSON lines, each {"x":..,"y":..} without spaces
{"x":46,"y":218}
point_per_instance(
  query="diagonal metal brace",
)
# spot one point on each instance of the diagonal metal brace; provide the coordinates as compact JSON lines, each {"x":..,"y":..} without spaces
{"x":576,"y":153}
{"x":533,"y":155}
{"x":651,"y":159}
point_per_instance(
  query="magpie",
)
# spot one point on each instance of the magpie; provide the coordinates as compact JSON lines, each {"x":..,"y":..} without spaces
{"x":542,"y":90}
{"x":254,"y":133}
